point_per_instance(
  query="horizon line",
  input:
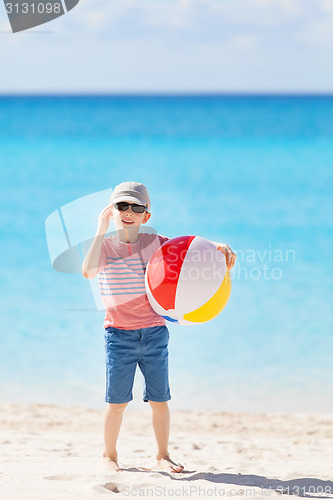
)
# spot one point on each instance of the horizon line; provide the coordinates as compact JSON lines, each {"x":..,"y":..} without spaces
{"x":170,"y":94}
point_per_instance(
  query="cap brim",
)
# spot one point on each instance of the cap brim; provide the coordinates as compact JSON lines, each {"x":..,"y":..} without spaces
{"x":129,"y":199}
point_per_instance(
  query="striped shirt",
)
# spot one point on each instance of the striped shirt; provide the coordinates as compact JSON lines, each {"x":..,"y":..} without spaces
{"x":121,"y":279}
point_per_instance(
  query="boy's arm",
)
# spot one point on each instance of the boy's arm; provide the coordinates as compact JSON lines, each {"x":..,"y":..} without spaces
{"x":229,"y":254}
{"x":90,"y":263}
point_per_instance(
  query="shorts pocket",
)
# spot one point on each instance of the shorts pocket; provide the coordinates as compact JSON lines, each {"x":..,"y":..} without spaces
{"x":109,"y":334}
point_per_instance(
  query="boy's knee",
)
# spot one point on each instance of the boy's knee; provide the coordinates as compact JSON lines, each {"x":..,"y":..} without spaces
{"x":117,"y":408}
{"x":159,"y":406}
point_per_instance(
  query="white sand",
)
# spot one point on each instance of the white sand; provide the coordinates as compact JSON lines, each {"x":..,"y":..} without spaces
{"x":50,"y":453}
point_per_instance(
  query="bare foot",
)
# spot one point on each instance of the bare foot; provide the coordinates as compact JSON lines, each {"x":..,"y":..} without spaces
{"x":165,"y":463}
{"x":110,"y":464}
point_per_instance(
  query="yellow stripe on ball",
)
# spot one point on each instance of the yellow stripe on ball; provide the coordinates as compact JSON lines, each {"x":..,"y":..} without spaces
{"x":213,"y":306}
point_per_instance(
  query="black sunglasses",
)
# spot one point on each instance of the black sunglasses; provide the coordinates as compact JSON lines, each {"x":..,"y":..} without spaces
{"x":122,"y":206}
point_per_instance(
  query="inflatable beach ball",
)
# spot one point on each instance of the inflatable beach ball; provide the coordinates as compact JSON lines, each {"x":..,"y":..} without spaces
{"x":187,"y":280}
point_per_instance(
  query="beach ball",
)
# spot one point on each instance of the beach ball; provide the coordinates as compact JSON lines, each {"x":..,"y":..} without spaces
{"x":187,"y":280}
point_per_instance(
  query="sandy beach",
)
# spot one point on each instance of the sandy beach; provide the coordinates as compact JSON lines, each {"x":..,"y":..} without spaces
{"x":50,"y":453}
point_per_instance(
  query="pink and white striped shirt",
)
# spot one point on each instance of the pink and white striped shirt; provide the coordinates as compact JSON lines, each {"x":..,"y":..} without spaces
{"x":121,"y":279}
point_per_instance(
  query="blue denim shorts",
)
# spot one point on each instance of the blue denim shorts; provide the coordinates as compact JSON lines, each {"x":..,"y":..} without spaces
{"x":146,"y":347}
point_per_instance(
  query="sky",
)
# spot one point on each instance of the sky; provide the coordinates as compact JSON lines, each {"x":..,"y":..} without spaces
{"x":128,"y":46}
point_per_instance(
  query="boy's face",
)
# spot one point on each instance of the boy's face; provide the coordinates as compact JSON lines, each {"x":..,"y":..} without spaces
{"x":128,"y":218}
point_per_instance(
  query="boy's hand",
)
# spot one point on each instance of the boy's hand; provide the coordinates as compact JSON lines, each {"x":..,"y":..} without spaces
{"x":229,"y":254}
{"x":104,"y":219}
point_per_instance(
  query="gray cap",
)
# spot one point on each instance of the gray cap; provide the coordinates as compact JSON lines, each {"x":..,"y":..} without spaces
{"x":133,"y":192}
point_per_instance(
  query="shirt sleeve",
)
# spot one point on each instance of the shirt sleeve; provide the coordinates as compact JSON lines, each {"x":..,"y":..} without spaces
{"x":163,"y":239}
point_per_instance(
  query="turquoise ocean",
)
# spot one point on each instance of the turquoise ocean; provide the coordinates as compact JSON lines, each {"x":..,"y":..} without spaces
{"x":255,"y":172}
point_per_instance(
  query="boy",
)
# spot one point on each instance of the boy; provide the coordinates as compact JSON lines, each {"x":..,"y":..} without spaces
{"x":135,"y":334}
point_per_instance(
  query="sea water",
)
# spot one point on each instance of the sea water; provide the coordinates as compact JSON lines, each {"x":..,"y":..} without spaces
{"x":252,"y":171}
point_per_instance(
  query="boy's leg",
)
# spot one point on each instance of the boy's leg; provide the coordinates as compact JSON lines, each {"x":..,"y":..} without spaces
{"x":122,"y":349}
{"x":112,"y":422}
{"x":154,"y":367}
{"x":161,"y":425}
